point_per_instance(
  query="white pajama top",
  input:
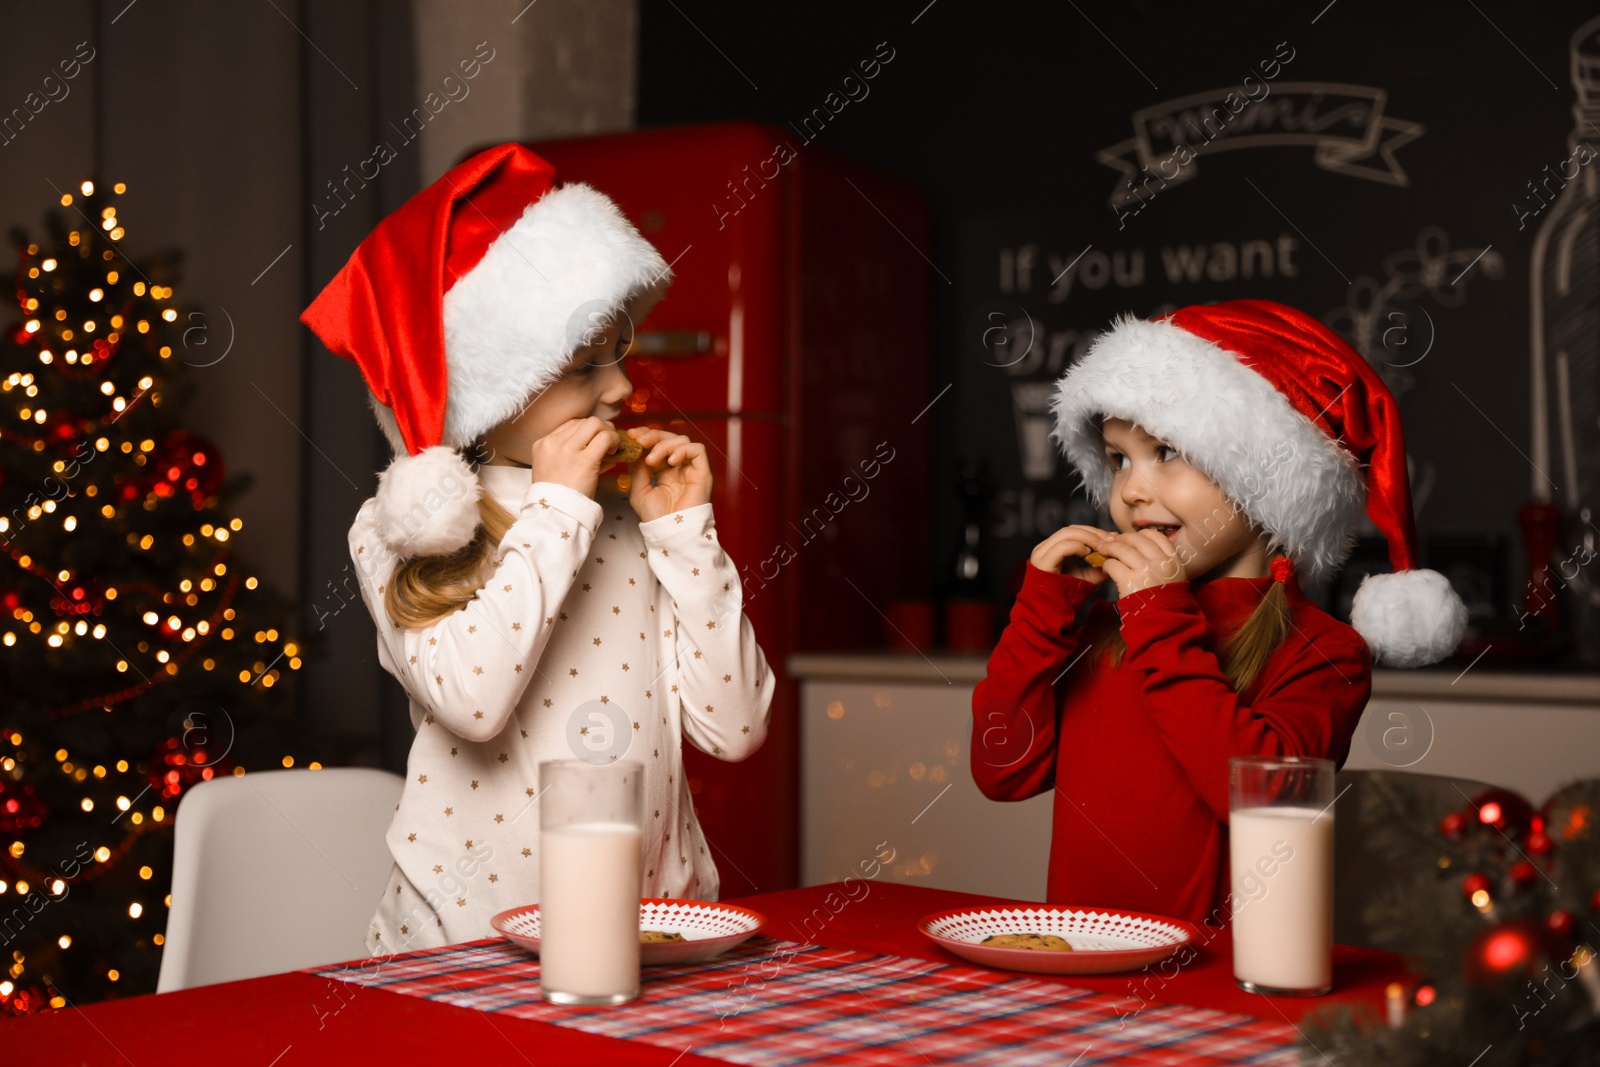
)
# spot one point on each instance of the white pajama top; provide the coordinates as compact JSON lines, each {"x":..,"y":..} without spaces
{"x":595,"y":636}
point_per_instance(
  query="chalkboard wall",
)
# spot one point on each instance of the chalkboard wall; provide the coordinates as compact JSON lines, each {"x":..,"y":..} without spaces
{"x":1385,"y":167}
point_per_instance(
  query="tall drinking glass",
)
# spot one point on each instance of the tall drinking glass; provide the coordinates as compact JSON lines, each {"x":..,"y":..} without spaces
{"x":590,"y":859}
{"x":1281,"y":861}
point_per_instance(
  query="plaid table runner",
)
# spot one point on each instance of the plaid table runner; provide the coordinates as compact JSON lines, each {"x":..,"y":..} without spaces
{"x":777,"y":1003}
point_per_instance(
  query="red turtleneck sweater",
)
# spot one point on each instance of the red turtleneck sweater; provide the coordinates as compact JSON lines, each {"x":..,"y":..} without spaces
{"x":1137,"y":754}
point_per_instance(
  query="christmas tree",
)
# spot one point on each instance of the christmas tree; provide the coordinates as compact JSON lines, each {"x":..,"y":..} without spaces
{"x":1501,"y":914}
{"x":135,"y":648}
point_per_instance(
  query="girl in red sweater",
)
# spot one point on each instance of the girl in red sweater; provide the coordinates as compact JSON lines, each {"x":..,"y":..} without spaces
{"x":1235,"y":445}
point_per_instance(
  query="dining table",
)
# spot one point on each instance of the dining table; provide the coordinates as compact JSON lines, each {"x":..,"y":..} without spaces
{"x":840,"y":973}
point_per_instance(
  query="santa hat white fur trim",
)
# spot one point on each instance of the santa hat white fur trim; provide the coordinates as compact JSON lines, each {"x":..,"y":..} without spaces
{"x":511,"y":323}
{"x":1271,"y":462}
{"x":427,"y":504}
{"x":1409,"y":619}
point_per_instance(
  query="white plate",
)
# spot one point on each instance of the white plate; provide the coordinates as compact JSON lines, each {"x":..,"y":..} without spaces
{"x":708,"y":929}
{"x":1102,"y":940}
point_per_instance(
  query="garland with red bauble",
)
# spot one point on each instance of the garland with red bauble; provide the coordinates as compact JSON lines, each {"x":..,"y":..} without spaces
{"x":1501,"y":916}
{"x":20,"y":807}
{"x":176,"y":766}
{"x":182,"y":462}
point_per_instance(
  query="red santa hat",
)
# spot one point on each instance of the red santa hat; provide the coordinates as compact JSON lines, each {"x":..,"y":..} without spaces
{"x":464,"y":304}
{"x":1296,"y":429}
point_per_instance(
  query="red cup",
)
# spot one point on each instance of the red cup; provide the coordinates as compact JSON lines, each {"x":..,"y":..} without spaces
{"x":910,"y":625}
{"x":969,"y":626}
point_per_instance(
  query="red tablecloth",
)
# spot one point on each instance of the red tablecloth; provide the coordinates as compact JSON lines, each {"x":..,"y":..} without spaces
{"x":886,"y":921}
{"x":281,"y":1020}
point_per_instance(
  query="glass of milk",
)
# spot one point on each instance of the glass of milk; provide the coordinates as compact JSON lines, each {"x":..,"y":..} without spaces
{"x":1281,"y":864}
{"x":590,"y":871}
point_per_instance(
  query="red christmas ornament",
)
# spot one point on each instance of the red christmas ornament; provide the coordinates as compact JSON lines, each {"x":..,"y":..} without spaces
{"x":185,"y":463}
{"x":1454,"y":826}
{"x":20,"y":807}
{"x":24,"y":1001}
{"x":1503,"y":810}
{"x":176,"y":766}
{"x":1538,"y":843}
{"x":63,"y":427}
{"x":1506,"y":952}
{"x":1523,"y":874}
{"x":1561,"y":923}
{"x":1472,"y":884}
{"x":1567,"y":818}
{"x":79,"y":599}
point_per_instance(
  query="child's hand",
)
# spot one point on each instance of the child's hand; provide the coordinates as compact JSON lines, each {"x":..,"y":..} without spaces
{"x":682,"y":474}
{"x":1071,"y":542}
{"x":1142,"y":559}
{"x":570,"y":454}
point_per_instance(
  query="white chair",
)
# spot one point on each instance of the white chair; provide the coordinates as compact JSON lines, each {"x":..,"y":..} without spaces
{"x":274,"y":871}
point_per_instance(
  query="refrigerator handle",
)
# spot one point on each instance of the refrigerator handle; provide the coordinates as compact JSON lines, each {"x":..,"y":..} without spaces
{"x":667,"y":343}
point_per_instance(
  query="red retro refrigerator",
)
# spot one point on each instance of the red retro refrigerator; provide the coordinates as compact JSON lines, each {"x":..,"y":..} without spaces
{"x":794,"y":342}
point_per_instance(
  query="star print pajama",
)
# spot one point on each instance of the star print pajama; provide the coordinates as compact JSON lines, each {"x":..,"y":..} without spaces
{"x":595,"y":635}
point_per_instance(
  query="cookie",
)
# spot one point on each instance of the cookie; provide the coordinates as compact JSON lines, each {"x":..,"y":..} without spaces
{"x":1048,"y":942}
{"x":627,"y":451}
{"x":658,"y":937}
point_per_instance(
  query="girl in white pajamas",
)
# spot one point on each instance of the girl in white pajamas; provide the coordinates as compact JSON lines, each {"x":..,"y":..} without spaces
{"x":546,"y":620}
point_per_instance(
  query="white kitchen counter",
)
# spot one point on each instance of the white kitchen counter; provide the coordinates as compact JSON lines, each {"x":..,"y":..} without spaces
{"x":884,"y":759}
{"x":1477,"y":683}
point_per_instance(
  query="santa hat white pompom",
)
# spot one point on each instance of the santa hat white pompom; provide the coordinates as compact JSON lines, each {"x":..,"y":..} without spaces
{"x":427,"y":504}
{"x":1409,"y":618}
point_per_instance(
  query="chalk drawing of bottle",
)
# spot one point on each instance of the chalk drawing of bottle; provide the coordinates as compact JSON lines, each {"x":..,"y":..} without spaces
{"x":1034,"y":421}
{"x":1564,"y":277}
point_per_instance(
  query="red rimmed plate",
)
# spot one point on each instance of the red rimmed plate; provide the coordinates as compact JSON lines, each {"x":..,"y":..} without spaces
{"x":1103,"y":940}
{"x":708,"y":929}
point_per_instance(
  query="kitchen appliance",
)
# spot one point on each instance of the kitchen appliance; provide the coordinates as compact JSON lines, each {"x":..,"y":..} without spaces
{"x":794,"y":341}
